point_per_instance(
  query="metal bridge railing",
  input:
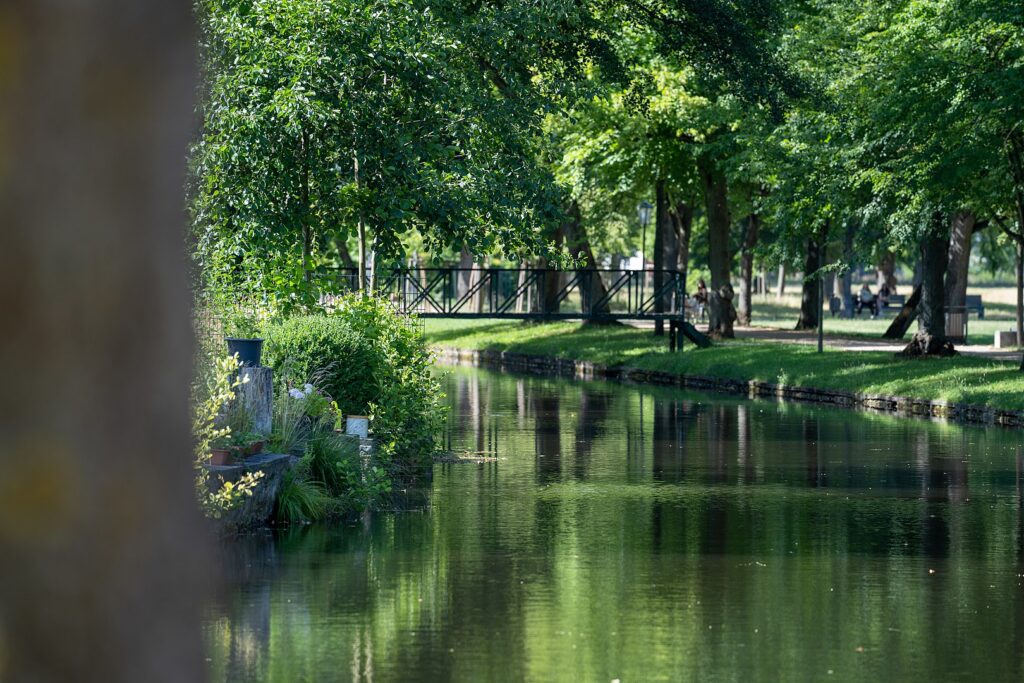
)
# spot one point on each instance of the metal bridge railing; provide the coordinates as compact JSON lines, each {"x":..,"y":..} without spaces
{"x":527,"y":293}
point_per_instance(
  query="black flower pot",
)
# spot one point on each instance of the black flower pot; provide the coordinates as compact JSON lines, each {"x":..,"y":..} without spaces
{"x":249,"y":350}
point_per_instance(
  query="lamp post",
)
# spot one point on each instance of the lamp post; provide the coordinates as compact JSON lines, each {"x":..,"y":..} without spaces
{"x":643,"y":212}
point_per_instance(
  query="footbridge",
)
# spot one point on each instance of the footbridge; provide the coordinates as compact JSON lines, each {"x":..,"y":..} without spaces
{"x":543,"y":294}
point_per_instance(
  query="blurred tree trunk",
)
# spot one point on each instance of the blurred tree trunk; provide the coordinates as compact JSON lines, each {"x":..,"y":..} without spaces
{"x":721,"y":313}
{"x":781,"y":282}
{"x":104,"y":548}
{"x":886,"y":272}
{"x":666,"y":250}
{"x":750,"y":233}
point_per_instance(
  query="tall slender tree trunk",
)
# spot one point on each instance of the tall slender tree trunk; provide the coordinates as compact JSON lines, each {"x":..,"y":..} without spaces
{"x":750,"y":234}
{"x":843,"y":287}
{"x":781,"y":288}
{"x":106,"y":564}
{"x":810,"y":299}
{"x":1015,"y":157}
{"x":666,"y":250}
{"x":1019,"y":252}
{"x":682,"y":218}
{"x":721,"y":313}
{"x":307,"y":228}
{"x":961,"y":230}
{"x":361,"y":235}
{"x":930,"y":338}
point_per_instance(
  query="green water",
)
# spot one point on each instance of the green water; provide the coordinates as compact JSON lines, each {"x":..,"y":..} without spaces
{"x":642,"y":535}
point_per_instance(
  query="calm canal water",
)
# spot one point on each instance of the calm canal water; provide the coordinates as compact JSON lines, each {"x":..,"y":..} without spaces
{"x":643,"y":534}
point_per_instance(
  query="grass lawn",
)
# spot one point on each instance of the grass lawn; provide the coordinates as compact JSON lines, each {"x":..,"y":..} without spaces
{"x":965,"y":380}
{"x":768,"y":312}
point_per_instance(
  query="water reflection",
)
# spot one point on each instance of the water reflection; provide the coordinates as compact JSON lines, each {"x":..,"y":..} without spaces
{"x":653,"y":535}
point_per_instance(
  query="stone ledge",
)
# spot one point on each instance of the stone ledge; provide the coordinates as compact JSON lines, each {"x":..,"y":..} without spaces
{"x":257,"y":509}
{"x":580,"y":369}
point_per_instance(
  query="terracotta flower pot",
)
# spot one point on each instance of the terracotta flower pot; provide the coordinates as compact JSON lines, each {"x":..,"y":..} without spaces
{"x":255,"y":448}
{"x":221,"y":456}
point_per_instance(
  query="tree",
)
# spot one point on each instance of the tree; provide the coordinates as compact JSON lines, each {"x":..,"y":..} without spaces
{"x":105,"y":555}
{"x":307,"y":140}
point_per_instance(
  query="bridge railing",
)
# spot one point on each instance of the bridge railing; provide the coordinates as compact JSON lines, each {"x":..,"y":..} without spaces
{"x":540,"y":293}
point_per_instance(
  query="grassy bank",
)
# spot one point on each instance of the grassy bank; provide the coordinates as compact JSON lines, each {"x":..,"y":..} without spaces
{"x":962,"y":380}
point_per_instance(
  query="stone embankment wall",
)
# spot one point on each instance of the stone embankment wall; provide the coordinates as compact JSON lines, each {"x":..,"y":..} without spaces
{"x":560,"y":367}
{"x":256,"y":510}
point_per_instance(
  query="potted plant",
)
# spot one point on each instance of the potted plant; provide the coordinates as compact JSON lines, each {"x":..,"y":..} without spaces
{"x":242,"y":334}
{"x":229,"y":449}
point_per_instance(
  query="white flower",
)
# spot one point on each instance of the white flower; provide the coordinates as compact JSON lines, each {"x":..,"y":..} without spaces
{"x":295,"y":393}
{"x":309,"y":389}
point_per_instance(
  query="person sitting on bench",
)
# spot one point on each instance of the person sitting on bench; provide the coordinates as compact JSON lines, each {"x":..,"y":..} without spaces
{"x":868,"y":299}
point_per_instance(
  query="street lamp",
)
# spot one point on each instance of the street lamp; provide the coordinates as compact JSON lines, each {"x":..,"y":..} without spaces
{"x":643,"y":212}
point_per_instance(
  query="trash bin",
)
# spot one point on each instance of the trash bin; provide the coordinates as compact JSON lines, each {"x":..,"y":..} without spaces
{"x":956,"y":324}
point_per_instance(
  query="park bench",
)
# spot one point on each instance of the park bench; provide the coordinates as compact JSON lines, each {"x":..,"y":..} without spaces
{"x":893,"y":304}
{"x":973,"y":303}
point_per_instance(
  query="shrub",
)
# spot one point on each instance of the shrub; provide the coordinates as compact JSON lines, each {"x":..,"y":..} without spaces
{"x":373,"y":361}
{"x":300,"y":500}
{"x":343,"y":359}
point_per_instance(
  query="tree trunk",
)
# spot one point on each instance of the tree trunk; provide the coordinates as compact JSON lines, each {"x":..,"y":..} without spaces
{"x":361,"y":234}
{"x":592,"y":287}
{"x":106,"y":564}
{"x":930,"y":338}
{"x":721,"y":313}
{"x":1019,"y":251}
{"x":886,"y":272}
{"x":843,"y":287}
{"x":750,"y":233}
{"x":307,"y":227}
{"x":810,"y":299}
{"x":904,"y":319}
{"x":343,"y":255}
{"x":682,"y":218}
{"x":781,"y":282}
{"x":551,"y":281}
{"x":962,"y":229}
{"x":666,"y":251}
{"x":469,"y":275}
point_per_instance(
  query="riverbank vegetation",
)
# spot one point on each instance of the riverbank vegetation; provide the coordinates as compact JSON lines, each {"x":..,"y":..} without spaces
{"x":360,"y":358}
{"x":961,"y":380}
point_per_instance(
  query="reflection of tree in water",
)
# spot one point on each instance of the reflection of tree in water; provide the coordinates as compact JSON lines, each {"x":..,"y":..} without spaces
{"x":668,"y":457}
{"x":742,"y":515}
{"x":594,"y":408}
{"x":547,"y":434}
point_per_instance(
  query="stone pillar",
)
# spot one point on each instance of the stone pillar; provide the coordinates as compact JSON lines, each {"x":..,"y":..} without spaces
{"x":257,"y":395}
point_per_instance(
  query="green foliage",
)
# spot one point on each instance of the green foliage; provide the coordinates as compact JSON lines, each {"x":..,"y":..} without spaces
{"x":329,"y":347}
{"x":300,"y":500}
{"x":333,"y":460}
{"x":373,"y":362}
{"x":212,"y":390}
